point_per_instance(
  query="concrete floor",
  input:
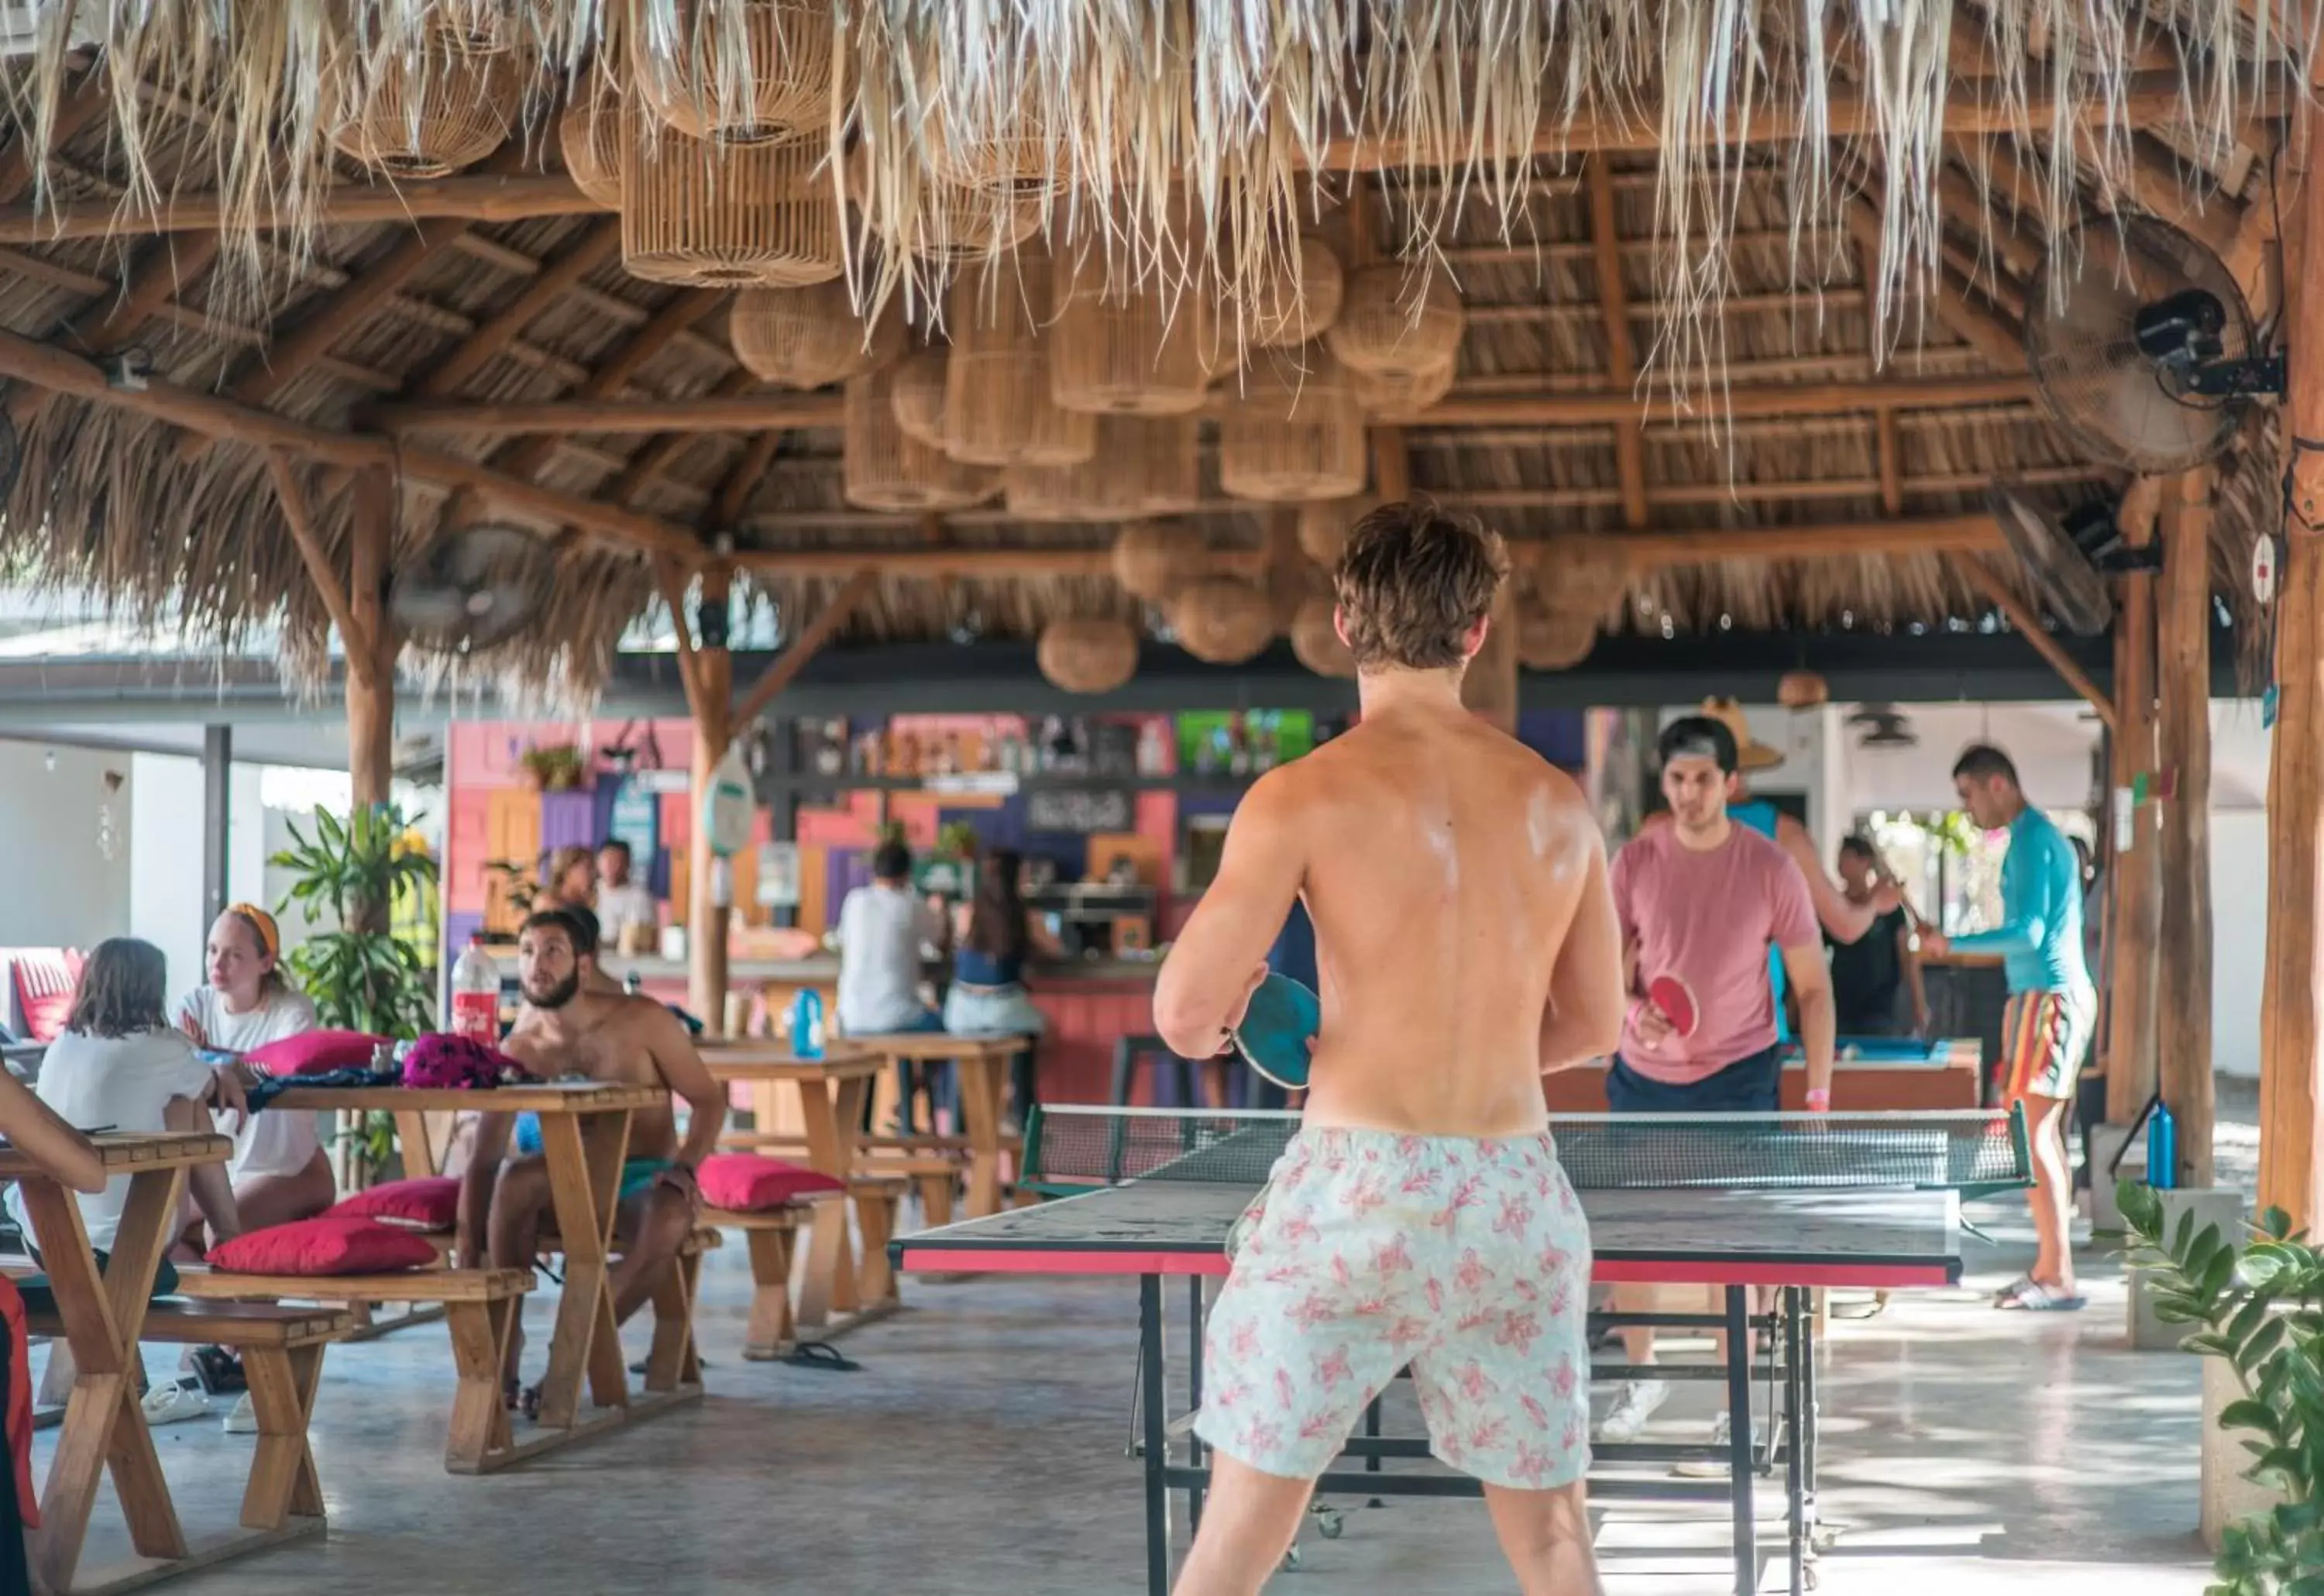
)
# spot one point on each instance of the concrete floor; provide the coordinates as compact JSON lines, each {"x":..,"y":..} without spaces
{"x":982,"y":1447}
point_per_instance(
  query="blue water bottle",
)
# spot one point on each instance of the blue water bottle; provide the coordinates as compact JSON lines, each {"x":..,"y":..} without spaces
{"x":2162,"y":1150}
{"x":806,"y":1024}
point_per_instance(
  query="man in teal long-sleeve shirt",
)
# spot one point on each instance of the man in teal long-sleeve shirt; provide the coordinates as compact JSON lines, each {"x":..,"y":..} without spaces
{"x":2052,"y":1009}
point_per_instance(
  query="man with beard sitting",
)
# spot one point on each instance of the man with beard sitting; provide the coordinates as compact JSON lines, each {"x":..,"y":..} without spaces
{"x":571,"y":1025}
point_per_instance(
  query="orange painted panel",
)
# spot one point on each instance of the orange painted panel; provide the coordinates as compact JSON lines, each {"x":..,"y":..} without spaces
{"x":813,"y":908}
{"x":512,"y":834}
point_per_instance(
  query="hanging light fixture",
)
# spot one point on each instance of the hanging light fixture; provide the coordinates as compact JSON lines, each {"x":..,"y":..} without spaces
{"x":997,"y":410}
{"x":724,"y":216}
{"x":1295,"y":432}
{"x":735,"y":71}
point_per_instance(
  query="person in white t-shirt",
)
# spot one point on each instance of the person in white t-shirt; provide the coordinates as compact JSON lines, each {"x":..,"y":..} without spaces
{"x":882,"y":928}
{"x":620,"y":901}
{"x":280,"y":1170}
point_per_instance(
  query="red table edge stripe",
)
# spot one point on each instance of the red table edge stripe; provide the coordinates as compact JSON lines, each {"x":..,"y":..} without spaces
{"x":1876,"y":1277}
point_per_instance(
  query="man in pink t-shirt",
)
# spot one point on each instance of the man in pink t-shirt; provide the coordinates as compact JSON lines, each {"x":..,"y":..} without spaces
{"x":1703,"y":899}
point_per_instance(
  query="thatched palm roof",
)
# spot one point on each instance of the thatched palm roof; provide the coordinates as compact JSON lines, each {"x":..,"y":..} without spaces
{"x":171,"y":189}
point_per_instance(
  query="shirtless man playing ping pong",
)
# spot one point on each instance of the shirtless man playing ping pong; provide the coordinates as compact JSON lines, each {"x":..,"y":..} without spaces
{"x":1466,"y":941}
{"x":569,"y":1027}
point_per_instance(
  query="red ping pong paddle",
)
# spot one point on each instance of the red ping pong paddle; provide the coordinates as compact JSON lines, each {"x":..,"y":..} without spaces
{"x":1675,"y":998}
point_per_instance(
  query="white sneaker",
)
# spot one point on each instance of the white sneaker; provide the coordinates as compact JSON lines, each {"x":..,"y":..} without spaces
{"x":244,"y":1419}
{"x":1722,"y":1432}
{"x":175,"y":1403}
{"x":1635,"y":1401}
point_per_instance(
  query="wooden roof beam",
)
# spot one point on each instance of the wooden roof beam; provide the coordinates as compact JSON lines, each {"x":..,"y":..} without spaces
{"x":743,"y":480}
{"x":733,"y":412}
{"x":2028,"y":625}
{"x":503,"y":197}
{"x":85,"y":102}
{"x":1621,"y":360}
{"x":1610,"y":407}
{"x":1956,"y":304}
{"x":593,"y":249}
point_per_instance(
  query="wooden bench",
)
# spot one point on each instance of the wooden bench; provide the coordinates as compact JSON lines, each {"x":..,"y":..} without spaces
{"x":771,"y":1235}
{"x":480,"y":1309}
{"x":282,"y":1358}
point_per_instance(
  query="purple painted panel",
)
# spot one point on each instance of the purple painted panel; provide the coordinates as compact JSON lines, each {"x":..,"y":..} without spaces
{"x":458,"y":929}
{"x":844,"y":871}
{"x":569,"y":820}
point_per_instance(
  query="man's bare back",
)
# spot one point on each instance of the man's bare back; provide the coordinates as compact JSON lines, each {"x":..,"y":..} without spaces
{"x":613,"y":1038}
{"x":1443,"y":864}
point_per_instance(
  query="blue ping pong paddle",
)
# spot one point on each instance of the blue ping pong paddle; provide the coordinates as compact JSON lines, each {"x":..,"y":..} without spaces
{"x":1273,"y":1039}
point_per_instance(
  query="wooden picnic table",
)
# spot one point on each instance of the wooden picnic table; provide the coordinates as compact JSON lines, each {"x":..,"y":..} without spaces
{"x":983,"y":1062}
{"x":585,"y":1134}
{"x":104,"y":1422}
{"x":830,"y":1091}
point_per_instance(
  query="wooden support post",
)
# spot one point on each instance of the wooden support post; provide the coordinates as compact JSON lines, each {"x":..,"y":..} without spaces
{"x":371,"y":657}
{"x":2131,"y":1068}
{"x":2292,"y":1006}
{"x":707,"y":918}
{"x":2183,"y":998}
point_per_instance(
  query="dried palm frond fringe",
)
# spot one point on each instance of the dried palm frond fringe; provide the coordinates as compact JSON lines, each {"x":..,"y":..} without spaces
{"x":1234,"y":112}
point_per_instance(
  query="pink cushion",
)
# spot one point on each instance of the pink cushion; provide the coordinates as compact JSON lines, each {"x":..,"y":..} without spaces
{"x":428,"y":1202}
{"x":315,"y":1052}
{"x":745,"y":1182}
{"x":334,"y":1244}
{"x":45,"y":980}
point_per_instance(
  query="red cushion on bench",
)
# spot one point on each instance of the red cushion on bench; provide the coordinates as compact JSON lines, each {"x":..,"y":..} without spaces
{"x":427,"y":1203}
{"x":334,"y":1244}
{"x":745,"y":1182}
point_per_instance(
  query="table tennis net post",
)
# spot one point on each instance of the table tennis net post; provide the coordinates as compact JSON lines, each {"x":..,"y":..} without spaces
{"x":1976,"y":1153}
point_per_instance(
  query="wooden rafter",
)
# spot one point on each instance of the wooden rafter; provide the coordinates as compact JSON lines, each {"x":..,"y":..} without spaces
{"x":1609,"y":407}
{"x":1954,"y":302}
{"x":647,"y":465}
{"x":743,"y":479}
{"x":1621,"y":360}
{"x":508,"y":198}
{"x":85,"y":102}
{"x":291,"y":350}
{"x":1994,"y":591}
{"x":328,"y":588}
{"x":587,"y":252}
{"x":731,"y":412}
{"x":787,"y":665}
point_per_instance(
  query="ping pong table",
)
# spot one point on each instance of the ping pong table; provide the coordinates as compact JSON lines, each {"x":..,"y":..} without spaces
{"x":1782,"y":1203}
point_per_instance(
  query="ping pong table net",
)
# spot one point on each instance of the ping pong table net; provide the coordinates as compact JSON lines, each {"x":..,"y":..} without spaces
{"x":1976,"y":1154}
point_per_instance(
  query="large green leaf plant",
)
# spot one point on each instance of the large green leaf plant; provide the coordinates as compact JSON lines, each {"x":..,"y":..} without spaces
{"x":358,"y":973}
{"x":2260,"y":1311}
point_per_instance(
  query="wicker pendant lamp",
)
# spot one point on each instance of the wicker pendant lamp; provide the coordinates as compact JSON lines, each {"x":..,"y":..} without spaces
{"x":476,"y":27}
{"x":1143,"y":465}
{"x":949,"y":223}
{"x":917,"y":394}
{"x":1286,"y":308}
{"x":1399,"y":393}
{"x":1014,"y":158}
{"x":810,"y":337}
{"x":1315,"y":639}
{"x":1554,"y":640}
{"x":426,"y":113}
{"x":589,"y":133}
{"x":1295,"y":433}
{"x":1222,"y":621}
{"x":1153,"y":559}
{"x":1087,"y":656}
{"x":780,"y":84}
{"x":997,"y":406}
{"x":1398,"y":322}
{"x":882,"y":469}
{"x":724,"y":216}
{"x":1125,"y":348}
{"x":1324,"y":528}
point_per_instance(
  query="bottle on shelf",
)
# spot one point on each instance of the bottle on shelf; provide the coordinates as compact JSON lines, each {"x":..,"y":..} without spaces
{"x":477,"y":994}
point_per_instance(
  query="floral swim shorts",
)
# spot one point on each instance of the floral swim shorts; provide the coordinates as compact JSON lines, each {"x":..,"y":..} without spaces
{"x":1468,"y":1260}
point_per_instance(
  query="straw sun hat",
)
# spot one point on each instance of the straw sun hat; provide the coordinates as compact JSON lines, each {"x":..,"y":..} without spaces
{"x":1749,"y":755}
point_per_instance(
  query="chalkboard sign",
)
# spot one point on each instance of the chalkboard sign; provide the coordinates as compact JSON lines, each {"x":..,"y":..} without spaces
{"x":1079,"y":809}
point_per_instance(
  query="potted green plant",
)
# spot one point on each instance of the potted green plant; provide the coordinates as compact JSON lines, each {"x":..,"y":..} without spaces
{"x":2260,"y":1311}
{"x":359,"y":975}
{"x":555,"y":767}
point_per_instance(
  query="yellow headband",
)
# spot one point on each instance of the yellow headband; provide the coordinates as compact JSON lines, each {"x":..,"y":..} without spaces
{"x":268,"y":938}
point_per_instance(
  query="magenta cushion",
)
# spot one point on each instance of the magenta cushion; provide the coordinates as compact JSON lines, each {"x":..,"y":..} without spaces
{"x":334,"y":1244}
{"x":314,"y":1052}
{"x":745,"y":1182}
{"x":427,"y":1203}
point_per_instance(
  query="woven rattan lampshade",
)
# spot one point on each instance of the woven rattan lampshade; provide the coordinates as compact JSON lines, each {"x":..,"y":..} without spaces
{"x":724,"y":216}
{"x":781,"y":85}
{"x":1395,"y":393}
{"x":1315,"y":640}
{"x":1143,"y":465}
{"x":997,"y":406}
{"x":1324,"y":528}
{"x":1397,"y":321}
{"x":590,"y":135}
{"x":1295,"y":432}
{"x":1803,"y":689}
{"x":949,"y":223}
{"x":1153,"y":559}
{"x":1554,"y":640}
{"x":1222,"y":621}
{"x":917,"y":394}
{"x":882,"y":469}
{"x":1014,"y":157}
{"x":809,"y":338}
{"x":428,"y":112}
{"x":1087,"y":656}
{"x":478,"y":27}
{"x":1284,"y":309}
{"x":1125,"y":348}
